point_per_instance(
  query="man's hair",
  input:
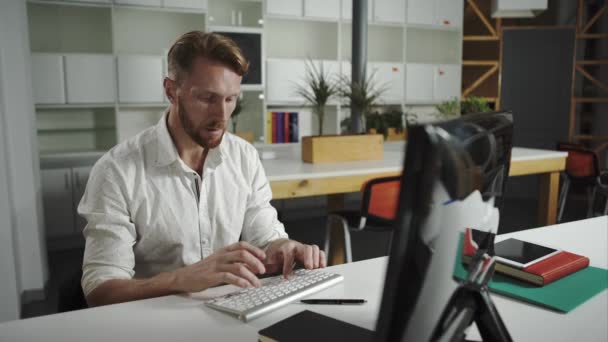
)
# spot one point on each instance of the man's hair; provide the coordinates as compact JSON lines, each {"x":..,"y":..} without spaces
{"x":212,"y":46}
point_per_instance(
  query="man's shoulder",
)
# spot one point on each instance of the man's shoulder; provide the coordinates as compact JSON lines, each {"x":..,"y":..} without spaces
{"x":130,"y":153}
{"x":239,"y":147}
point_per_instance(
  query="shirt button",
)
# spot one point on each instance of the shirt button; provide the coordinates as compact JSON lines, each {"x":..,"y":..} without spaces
{"x":205,"y":242}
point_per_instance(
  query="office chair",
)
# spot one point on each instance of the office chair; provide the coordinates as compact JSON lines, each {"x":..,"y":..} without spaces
{"x":71,"y":295}
{"x":378,"y":209}
{"x":583,"y":169}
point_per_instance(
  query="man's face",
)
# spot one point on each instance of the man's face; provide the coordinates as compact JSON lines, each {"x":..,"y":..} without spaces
{"x":205,"y":99}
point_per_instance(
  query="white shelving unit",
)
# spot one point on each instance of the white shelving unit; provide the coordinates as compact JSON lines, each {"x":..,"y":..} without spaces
{"x":98,"y":73}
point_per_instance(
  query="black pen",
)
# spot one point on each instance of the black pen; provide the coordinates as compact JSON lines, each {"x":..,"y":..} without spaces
{"x":334,"y":301}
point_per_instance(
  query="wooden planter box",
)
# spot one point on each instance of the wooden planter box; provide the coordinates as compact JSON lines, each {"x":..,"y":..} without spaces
{"x":340,"y":148}
{"x":246,"y":135}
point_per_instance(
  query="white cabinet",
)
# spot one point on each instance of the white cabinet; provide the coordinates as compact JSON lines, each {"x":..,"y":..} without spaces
{"x":431,"y":83}
{"x":153,"y":3}
{"x":48,"y":78}
{"x":347,"y":9}
{"x":388,"y":76}
{"x":187,"y":4}
{"x":57,"y":201}
{"x":62,"y":190}
{"x":89,"y":78}
{"x":282,"y":76}
{"x":284,"y":7}
{"x":419,"y":83}
{"x":445,"y":13}
{"x":329,"y":9}
{"x":447,"y":82}
{"x":140,"y":79}
{"x":389,"y":11}
{"x":421,"y":12}
{"x":449,"y":13}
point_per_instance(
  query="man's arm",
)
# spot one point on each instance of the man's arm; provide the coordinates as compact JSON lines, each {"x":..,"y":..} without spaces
{"x":236,"y":264}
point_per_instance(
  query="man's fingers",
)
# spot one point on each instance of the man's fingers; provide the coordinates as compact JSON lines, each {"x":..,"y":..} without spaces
{"x":288,"y":263}
{"x":245,"y":257}
{"x":229,"y":278}
{"x":315,"y":256}
{"x":307,"y":256}
{"x":258,"y":253}
{"x":322,"y":259}
{"x":241,"y":271}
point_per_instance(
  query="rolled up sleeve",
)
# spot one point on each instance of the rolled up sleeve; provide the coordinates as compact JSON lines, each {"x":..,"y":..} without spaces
{"x":261,"y":224}
{"x":109,"y":233}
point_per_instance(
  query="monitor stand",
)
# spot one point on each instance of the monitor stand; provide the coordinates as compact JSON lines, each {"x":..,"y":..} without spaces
{"x":471,"y":302}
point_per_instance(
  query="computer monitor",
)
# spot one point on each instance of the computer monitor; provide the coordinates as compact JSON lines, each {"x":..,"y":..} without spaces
{"x":454,"y":177}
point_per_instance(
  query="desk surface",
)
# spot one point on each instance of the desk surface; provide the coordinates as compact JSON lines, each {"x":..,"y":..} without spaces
{"x":288,"y":163}
{"x":186,"y":318}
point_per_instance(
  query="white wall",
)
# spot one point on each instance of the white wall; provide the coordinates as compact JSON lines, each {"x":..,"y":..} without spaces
{"x":20,"y":161}
{"x":9,"y":295}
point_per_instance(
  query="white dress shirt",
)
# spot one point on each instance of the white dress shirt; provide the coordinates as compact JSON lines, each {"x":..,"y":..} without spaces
{"x":148,"y":212}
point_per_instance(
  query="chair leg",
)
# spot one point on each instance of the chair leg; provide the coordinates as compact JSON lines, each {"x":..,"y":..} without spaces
{"x":562,"y":198}
{"x":606,"y":206}
{"x":347,"y":246}
{"x":591,"y":199}
{"x":327,"y":239}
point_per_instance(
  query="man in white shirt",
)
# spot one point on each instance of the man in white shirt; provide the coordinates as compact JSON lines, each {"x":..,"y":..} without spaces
{"x":167,"y":208}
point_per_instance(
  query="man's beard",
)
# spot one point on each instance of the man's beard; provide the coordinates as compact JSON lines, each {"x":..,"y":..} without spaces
{"x":193,"y":131}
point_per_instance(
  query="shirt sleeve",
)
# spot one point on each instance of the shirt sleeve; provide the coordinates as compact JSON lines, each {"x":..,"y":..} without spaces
{"x":109,"y":233}
{"x":261,"y":225}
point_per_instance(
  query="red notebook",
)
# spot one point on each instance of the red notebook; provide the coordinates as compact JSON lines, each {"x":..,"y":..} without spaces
{"x":541,"y":273}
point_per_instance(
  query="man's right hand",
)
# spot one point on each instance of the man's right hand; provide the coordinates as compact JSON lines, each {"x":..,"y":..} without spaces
{"x":236,"y":264}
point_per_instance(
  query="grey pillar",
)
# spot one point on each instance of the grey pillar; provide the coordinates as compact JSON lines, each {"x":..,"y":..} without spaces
{"x":359,"y":56}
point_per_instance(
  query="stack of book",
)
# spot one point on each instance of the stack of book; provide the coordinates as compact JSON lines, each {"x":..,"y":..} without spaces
{"x":282,"y":127}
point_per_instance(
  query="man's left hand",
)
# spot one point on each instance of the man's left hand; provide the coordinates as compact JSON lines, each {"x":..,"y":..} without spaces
{"x":285,"y":252}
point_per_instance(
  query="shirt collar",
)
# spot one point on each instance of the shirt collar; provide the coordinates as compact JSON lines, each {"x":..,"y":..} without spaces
{"x":167,"y":152}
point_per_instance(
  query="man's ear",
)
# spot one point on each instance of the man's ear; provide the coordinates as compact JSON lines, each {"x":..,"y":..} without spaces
{"x":170,"y":89}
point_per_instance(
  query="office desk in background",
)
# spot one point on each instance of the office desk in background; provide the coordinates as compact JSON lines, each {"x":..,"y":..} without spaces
{"x":183,"y":318}
{"x":290,"y":177}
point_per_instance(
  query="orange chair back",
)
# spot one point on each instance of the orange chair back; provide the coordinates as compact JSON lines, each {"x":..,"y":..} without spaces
{"x":381,"y":197}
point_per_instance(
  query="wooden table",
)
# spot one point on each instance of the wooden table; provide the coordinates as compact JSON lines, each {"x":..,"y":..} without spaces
{"x":291,"y":178}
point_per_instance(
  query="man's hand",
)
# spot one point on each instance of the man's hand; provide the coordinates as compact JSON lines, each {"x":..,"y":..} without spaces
{"x":236,"y":264}
{"x":282,"y":253}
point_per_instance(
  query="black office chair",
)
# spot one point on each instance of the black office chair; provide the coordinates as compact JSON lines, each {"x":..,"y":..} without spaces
{"x":377,"y":213}
{"x":71,"y":295}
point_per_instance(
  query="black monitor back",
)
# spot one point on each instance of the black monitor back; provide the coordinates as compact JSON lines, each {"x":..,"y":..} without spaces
{"x":459,"y":156}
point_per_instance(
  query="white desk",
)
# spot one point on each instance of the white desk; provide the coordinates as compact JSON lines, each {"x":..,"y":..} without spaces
{"x":180,"y":318}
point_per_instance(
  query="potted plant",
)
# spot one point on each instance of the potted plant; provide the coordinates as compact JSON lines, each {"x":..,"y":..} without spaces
{"x":361,"y":96}
{"x":238,"y":109}
{"x":317,"y":90}
{"x":448,"y":109}
{"x":474,"y":104}
{"x":319,"y":149}
{"x":394,"y":124}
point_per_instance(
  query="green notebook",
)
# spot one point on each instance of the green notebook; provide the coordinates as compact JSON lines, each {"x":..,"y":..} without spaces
{"x":562,"y":295}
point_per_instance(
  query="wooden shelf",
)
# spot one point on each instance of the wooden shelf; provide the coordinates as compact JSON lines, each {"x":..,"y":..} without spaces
{"x":591,"y":137}
{"x":591,"y":99}
{"x":592,"y":62}
{"x":480,"y":38}
{"x":479,"y":63}
{"x":592,"y":36}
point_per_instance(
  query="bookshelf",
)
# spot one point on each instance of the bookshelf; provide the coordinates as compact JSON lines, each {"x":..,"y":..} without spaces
{"x":133,"y":37}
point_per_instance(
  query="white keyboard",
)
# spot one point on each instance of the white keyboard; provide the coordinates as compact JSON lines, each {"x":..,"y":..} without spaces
{"x":274,"y":293}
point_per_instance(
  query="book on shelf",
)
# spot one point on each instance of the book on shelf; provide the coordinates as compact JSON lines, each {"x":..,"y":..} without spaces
{"x":282,"y":127}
